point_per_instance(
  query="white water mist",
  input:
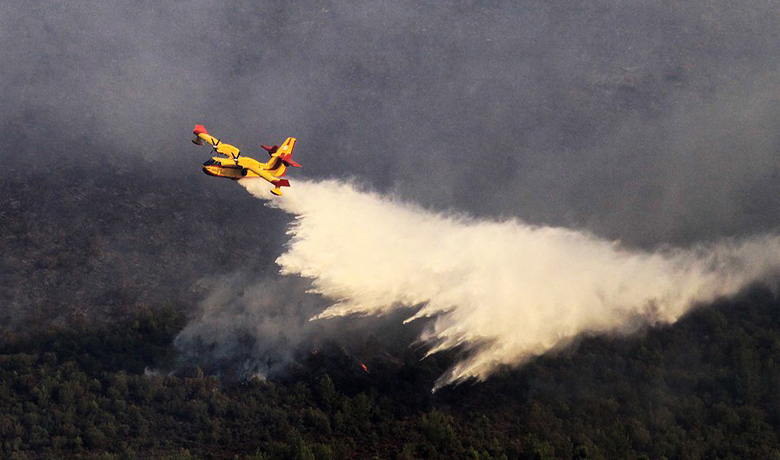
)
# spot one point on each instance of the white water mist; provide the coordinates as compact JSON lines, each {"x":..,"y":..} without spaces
{"x":506,"y":291}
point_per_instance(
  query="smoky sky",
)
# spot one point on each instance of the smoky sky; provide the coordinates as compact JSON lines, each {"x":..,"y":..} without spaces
{"x":650,"y":122}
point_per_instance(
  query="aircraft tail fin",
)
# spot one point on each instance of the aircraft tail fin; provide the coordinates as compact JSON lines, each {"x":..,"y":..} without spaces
{"x":281,"y":157}
{"x":286,"y":151}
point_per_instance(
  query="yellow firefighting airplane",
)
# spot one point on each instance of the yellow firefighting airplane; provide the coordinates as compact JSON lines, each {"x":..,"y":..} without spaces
{"x":237,"y":167}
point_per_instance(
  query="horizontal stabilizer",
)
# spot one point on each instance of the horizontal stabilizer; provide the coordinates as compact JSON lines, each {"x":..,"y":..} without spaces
{"x":281,"y":183}
{"x":287,"y":160}
{"x":271,"y":150}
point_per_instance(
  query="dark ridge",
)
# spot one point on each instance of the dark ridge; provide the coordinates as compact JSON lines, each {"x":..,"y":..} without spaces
{"x":95,"y":240}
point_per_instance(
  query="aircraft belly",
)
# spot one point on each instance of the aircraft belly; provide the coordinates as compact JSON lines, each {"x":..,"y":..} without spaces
{"x":225,"y":171}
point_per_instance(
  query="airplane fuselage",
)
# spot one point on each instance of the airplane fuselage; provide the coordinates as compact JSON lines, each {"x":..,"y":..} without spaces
{"x":229,"y":169}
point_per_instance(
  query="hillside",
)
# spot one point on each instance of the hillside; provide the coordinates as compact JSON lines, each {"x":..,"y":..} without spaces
{"x":100,"y":273}
{"x":704,"y":388}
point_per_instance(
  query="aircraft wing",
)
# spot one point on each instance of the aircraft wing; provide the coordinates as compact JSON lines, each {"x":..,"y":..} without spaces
{"x":276,"y":181}
{"x":201,"y":136}
{"x":262,"y":173}
{"x":227,"y":150}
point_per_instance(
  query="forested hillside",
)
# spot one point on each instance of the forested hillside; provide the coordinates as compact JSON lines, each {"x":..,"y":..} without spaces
{"x":536,"y":191}
{"x":93,"y":302}
{"x":706,"y":387}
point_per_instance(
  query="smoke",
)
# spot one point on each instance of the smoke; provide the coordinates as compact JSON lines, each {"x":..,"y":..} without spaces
{"x":248,"y":327}
{"x":652,"y":122}
{"x":504,"y":291}
{"x":251,"y":325}
{"x":671,"y":107}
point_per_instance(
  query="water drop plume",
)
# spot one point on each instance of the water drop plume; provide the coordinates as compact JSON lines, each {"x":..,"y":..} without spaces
{"x":502,"y":291}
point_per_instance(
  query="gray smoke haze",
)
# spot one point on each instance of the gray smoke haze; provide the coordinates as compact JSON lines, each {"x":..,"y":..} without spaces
{"x":652,"y":123}
{"x":248,"y":326}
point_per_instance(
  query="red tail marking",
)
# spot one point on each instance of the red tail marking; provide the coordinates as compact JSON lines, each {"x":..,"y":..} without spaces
{"x":199,"y":129}
{"x":287,"y":159}
{"x":281,"y":183}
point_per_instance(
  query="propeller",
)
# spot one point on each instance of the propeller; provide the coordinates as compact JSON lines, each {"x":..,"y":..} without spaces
{"x":214,"y":150}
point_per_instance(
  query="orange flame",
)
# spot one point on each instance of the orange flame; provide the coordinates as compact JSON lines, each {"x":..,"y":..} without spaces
{"x":364,"y":368}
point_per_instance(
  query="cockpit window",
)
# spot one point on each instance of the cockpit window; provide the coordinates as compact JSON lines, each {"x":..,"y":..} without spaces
{"x":210,"y":162}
